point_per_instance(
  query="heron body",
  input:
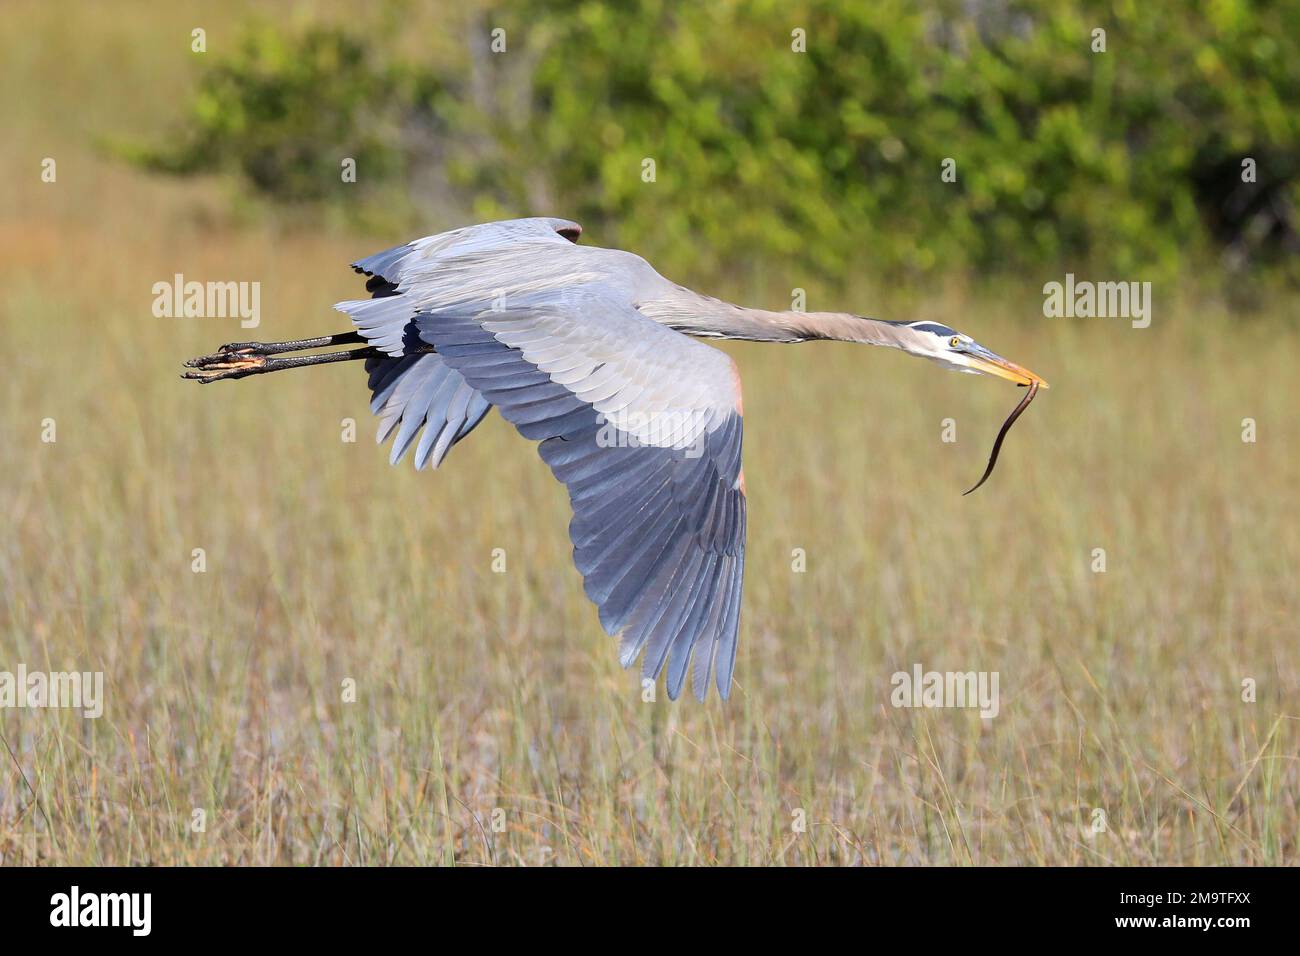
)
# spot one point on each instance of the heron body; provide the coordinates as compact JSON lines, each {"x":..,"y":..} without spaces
{"x":586,"y":351}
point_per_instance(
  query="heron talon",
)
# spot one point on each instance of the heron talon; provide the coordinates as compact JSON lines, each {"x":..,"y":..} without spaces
{"x":228,"y":353}
{"x":213,"y":368}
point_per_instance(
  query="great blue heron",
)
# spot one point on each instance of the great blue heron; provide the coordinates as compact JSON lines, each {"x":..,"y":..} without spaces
{"x":581,"y":348}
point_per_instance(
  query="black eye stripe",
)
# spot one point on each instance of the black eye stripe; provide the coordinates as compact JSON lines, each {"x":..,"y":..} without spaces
{"x":935,"y":328}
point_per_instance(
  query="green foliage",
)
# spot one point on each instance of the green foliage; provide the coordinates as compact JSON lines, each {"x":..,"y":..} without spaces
{"x":284,"y":111}
{"x":828,"y":160}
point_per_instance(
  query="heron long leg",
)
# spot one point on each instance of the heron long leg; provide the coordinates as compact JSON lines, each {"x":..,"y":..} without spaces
{"x":294,"y":345}
{"x":239,"y":363}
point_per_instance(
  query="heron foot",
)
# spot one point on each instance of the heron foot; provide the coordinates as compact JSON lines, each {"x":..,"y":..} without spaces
{"x":233,"y":361}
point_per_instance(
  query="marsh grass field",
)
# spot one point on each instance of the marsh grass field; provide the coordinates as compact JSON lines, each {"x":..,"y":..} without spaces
{"x":491,"y":722}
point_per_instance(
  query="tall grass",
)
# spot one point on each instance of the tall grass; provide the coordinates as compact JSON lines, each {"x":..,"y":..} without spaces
{"x":479,"y":692}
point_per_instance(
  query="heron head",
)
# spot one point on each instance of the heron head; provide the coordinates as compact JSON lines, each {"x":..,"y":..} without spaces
{"x":961,"y":353}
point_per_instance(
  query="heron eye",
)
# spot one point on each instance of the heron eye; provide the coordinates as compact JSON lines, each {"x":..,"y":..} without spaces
{"x":955,"y":341}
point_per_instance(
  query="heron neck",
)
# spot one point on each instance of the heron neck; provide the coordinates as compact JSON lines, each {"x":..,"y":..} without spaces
{"x":713,"y":318}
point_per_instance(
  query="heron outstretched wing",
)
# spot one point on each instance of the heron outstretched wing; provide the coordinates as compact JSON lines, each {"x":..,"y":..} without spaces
{"x":643,"y":426}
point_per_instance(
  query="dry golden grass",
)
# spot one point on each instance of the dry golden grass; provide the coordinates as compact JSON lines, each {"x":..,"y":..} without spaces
{"x":479,"y":691}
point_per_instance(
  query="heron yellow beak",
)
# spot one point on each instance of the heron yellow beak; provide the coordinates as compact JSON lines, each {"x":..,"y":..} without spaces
{"x":982,"y":360}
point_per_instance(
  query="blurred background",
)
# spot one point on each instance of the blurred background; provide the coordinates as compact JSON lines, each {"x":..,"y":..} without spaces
{"x":807,"y":135}
{"x":935,"y":160}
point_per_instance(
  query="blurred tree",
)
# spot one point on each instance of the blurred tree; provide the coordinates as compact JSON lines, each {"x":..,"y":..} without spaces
{"x":994,"y":135}
{"x":285,"y":111}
